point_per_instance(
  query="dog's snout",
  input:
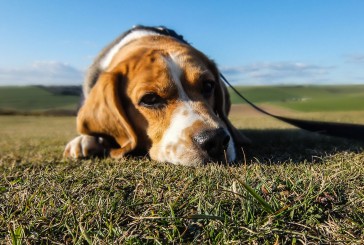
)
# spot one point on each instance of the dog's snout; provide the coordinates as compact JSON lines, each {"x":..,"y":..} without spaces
{"x":214,"y":142}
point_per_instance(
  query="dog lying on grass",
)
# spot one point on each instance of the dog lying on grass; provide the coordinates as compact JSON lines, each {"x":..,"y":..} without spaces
{"x":151,"y":92}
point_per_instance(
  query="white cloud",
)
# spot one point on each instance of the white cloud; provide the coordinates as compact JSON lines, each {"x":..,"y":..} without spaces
{"x":42,"y":73}
{"x":58,"y":73}
{"x":354,"y":58}
{"x":277,"y":73}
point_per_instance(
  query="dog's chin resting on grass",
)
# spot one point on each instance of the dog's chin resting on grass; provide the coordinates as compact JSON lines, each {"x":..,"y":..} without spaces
{"x":150,"y":91}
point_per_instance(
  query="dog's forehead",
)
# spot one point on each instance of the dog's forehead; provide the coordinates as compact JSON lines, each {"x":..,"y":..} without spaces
{"x":189,"y":66}
{"x":153,"y":51}
{"x":164,"y":64}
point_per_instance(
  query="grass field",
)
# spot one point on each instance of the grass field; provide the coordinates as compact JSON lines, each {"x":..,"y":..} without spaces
{"x":34,"y":99}
{"x":301,"y":98}
{"x":307,"y":98}
{"x":311,"y":189}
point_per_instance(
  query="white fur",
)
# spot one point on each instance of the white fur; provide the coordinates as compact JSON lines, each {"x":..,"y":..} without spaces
{"x":83,"y":146}
{"x":183,"y":117}
{"x":174,"y":137}
{"x":105,"y":62}
{"x":230,"y":151}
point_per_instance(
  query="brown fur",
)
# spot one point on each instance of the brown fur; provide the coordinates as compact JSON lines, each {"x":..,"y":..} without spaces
{"x":111,"y":107}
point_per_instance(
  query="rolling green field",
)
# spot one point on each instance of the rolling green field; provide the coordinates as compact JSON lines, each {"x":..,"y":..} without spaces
{"x":32,"y":98}
{"x":306,"y":98}
{"x":294,"y":187}
{"x":300,"y":98}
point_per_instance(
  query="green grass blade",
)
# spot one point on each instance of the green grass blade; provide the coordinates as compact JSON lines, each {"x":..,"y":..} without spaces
{"x":204,"y":216}
{"x":257,"y":197}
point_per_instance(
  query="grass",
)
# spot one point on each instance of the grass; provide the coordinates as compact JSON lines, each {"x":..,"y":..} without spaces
{"x":33,"y":98}
{"x":295,"y":187}
{"x":307,"y":98}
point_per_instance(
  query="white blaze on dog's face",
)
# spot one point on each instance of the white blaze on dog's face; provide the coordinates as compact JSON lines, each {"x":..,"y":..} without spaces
{"x":188,"y":120}
{"x":169,"y":95}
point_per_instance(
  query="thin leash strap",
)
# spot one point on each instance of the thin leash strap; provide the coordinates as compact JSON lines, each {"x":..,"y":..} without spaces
{"x":345,"y":130}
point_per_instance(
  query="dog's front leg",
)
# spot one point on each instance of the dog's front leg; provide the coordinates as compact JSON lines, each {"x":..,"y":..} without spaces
{"x":84,"y":146}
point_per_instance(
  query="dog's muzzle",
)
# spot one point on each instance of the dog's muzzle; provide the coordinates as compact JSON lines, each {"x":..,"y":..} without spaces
{"x":214,"y":143}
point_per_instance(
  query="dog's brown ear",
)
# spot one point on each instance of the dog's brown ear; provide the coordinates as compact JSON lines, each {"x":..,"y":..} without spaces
{"x":103,"y":114}
{"x":223,"y":105}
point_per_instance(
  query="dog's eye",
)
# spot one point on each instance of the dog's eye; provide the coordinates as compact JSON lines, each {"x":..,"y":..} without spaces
{"x":208,"y":88}
{"x":152,"y":100}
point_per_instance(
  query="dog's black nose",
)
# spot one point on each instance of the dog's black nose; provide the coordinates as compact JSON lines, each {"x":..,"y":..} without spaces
{"x":214,"y":142}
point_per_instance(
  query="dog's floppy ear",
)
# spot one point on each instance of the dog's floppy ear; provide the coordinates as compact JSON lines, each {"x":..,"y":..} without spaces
{"x":103,"y":114}
{"x":222,"y":108}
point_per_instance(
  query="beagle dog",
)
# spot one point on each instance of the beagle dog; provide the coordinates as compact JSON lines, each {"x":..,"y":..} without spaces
{"x":151,"y":92}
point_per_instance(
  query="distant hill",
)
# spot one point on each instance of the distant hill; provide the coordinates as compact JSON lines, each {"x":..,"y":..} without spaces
{"x":64,"y":100}
{"x":63,"y":90}
{"x":306,"y":98}
{"x":39,"y":100}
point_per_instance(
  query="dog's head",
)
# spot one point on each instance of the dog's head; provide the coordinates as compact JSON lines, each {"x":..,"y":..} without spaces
{"x":162,"y":96}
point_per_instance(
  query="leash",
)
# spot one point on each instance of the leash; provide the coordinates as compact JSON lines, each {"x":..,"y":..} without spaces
{"x":344,"y":130}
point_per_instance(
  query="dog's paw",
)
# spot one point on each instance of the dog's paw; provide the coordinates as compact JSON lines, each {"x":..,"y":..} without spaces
{"x":84,"y":146}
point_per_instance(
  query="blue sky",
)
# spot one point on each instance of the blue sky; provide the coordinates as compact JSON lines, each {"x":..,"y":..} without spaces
{"x":253,"y":42}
